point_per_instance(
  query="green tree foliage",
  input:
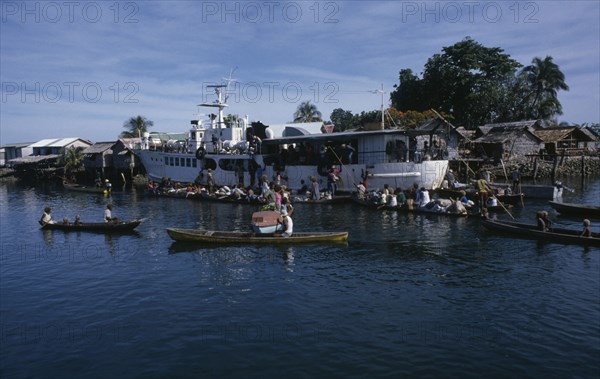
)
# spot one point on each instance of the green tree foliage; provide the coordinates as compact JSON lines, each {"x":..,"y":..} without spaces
{"x":476,"y":85}
{"x":307,"y":112}
{"x":136,"y":126}
{"x":466,"y":81}
{"x":538,"y":85}
{"x":409,"y":94}
{"x":342,"y":119}
{"x":71,"y":159}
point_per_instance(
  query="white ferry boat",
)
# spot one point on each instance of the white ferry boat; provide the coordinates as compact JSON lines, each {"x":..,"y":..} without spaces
{"x":227,"y":146}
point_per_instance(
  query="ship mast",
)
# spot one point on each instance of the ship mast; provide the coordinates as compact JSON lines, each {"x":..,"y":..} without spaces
{"x":382,"y":109}
{"x":217,"y":104}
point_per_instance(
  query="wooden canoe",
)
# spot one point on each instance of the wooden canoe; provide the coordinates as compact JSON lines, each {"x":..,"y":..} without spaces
{"x":580,"y":210}
{"x":558,"y":235}
{"x":513,"y":199}
{"x":220,"y":237}
{"x":105,"y":227}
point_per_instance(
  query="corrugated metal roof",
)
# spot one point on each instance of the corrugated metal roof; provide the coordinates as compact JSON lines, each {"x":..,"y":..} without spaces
{"x":17,"y":145}
{"x":55,"y":142}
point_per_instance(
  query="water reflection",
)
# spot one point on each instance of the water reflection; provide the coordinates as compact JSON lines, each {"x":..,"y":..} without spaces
{"x":48,"y":237}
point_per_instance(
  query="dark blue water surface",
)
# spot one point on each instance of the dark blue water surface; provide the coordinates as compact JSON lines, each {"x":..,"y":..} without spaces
{"x":408,"y":296}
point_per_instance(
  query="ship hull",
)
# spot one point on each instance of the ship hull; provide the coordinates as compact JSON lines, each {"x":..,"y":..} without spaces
{"x":190,"y":169}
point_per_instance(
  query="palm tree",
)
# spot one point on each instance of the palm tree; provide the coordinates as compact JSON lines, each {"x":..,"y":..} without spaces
{"x":542,"y":80}
{"x":307,"y":112}
{"x":136,"y":126}
{"x":71,"y":159}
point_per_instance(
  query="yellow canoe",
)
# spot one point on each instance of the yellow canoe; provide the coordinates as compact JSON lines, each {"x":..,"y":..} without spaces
{"x":212,"y":236}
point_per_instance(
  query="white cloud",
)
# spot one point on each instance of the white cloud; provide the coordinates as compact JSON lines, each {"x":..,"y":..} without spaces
{"x":336,"y":52}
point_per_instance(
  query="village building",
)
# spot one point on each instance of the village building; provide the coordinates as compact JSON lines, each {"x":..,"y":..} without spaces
{"x":43,"y":160}
{"x":45,"y":152}
{"x":111,"y":159}
{"x":506,"y":141}
{"x":9,"y":152}
{"x":569,"y":140}
{"x":441,"y":138}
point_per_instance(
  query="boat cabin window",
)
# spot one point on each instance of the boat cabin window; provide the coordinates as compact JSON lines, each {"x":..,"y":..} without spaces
{"x":209,"y":163}
{"x":176,"y":161}
{"x":171,"y":161}
{"x":166,"y":161}
{"x":318,"y":152}
{"x":396,"y":151}
{"x":239,"y":165}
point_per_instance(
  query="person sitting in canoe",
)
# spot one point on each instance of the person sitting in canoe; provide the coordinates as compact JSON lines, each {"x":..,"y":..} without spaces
{"x":108,"y":215}
{"x":47,"y":217}
{"x":547,"y":221}
{"x":77,"y":221}
{"x":587,"y":232}
{"x":288,"y":225}
{"x":543,"y":223}
{"x":286,"y":208}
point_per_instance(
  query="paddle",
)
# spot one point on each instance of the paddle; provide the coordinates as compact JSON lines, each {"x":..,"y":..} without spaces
{"x":491,"y":191}
{"x":503,"y":207}
{"x":336,"y":156}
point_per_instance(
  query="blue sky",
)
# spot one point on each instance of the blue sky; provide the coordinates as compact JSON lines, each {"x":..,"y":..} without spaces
{"x":80,"y":69}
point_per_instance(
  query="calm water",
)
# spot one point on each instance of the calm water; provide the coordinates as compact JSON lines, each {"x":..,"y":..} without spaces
{"x":408,"y":296}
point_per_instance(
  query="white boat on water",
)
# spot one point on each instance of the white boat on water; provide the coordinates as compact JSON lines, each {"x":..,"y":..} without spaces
{"x":226,"y":146}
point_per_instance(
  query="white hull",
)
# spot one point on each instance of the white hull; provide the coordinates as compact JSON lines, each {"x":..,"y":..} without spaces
{"x":429,"y":174}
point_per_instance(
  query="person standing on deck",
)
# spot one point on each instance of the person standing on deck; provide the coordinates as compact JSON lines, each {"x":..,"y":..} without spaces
{"x":210,"y":181}
{"x":315,"y":190}
{"x":485,"y":191}
{"x":332,"y":181}
{"x":264,"y":185}
{"x":347,"y":152}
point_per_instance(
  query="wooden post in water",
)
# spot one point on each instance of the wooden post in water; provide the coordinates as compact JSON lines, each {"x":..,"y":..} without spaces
{"x":535,"y":168}
{"x":583,"y":166}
